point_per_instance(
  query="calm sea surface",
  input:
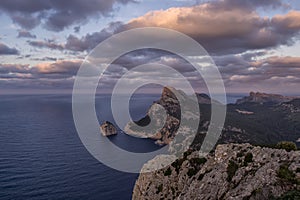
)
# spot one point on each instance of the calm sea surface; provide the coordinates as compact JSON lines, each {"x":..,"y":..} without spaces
{"x":42,"y":157}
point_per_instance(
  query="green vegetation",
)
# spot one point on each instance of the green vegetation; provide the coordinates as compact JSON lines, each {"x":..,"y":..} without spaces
{"x":177,"y":164}
{"x":239,"y":154}
{"x":168,"y":172}
{"x":187,"y":153}
{"x":200,"y":177}
{"x":288,"y":146}
{"x":231,"y":169}
{"x":290,"y":195}
{"x":192,"y":172}
{"x":286,"y":174}
{"x":159,"y":189}
{"x":248,"y":159}
{"x":197,"y":161}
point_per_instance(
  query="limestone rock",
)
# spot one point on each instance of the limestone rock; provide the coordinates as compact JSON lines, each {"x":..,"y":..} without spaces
{"x":108,"y":129}
{"x":234,"y":171}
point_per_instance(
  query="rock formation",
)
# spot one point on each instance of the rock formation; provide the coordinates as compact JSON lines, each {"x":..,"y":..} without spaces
{"x":108,"y":129}
{"x":171,"y":107}
{"x":233,"y":171}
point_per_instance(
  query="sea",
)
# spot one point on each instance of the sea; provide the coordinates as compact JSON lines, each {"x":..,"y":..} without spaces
{"x":42,"y":157}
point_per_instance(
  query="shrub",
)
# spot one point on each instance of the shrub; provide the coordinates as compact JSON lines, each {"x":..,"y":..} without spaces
{"x":288,"y":146}
{"x":286,"y":174}
{"x":198,"y":161}
{"x":200,"y":177}
{"x":248,"y":158}
{"x":159,"y":188}
{"x":231,"y":169}
{"x":239,"y":154}
{"x":168,"y":172}
{"x":290,"y":195}
{"x":187,"y":153}
{"x":191,"y":172}
{"x":177,"y":164}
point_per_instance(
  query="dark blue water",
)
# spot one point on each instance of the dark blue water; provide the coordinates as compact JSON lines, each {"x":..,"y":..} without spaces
{"x":41,"y":156}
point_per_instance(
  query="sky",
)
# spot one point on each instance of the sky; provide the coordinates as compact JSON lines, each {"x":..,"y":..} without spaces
{"x":254,"y":43}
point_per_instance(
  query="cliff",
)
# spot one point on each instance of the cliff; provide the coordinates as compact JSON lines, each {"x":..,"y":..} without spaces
{"x":168,"y":104}
{"x":253,"y":119}
{"x":233,"y":171}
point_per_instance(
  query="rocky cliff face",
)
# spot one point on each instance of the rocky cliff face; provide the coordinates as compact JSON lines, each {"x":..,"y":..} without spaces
{"x":264,"y":98}
{"x":170,"y":104}
{"x":234,"y":171}
{"x":256,"y":119}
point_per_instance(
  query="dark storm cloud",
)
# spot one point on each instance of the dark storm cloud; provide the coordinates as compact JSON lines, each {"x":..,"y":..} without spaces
{"x":5,"y":50}
{"x":56,"y":14}
{"x":25,"y":34}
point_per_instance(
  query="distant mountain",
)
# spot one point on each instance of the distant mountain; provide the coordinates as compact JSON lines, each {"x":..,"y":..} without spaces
{"x":264,"y":98}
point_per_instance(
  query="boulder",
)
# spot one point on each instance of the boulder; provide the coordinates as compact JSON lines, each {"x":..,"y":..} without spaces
{"x":108,"y":129}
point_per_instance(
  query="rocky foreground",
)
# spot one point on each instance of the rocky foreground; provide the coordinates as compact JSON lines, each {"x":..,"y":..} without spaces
{"x":233,"y":171}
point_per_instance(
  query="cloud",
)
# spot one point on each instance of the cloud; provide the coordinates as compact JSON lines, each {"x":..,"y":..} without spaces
{"x":56,"y":15}
{"x":25,"y":34}
{"x":52,"y":70}
{"x":46,"y":44}
{"x":5,"y":50}
{"x":13,"y":68}
{"x":228,"y":26}
{"x":58,"y":69}
{"x":89,"y":41}
{"x":222,"y":27}
{"x":239,"y":74}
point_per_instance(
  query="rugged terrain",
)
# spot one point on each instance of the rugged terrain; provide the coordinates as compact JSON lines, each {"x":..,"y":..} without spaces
{"x":233,"y":171}
{"x":257,"y":119}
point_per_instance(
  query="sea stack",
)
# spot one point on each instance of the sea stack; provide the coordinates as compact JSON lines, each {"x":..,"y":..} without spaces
{"x":108,"y":129}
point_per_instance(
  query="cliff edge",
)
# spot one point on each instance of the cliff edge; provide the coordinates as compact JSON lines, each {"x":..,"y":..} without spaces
{"x":233,"y":171}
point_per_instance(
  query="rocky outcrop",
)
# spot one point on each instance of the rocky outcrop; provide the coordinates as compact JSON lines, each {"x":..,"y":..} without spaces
{"x":169,"y":105}
{"x":234,"y":171}
{"x":108,"y":129}
{"x":264,"y":98}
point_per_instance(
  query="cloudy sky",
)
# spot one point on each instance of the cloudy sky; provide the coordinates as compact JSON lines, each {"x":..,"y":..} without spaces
{"x":254,"y":43}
